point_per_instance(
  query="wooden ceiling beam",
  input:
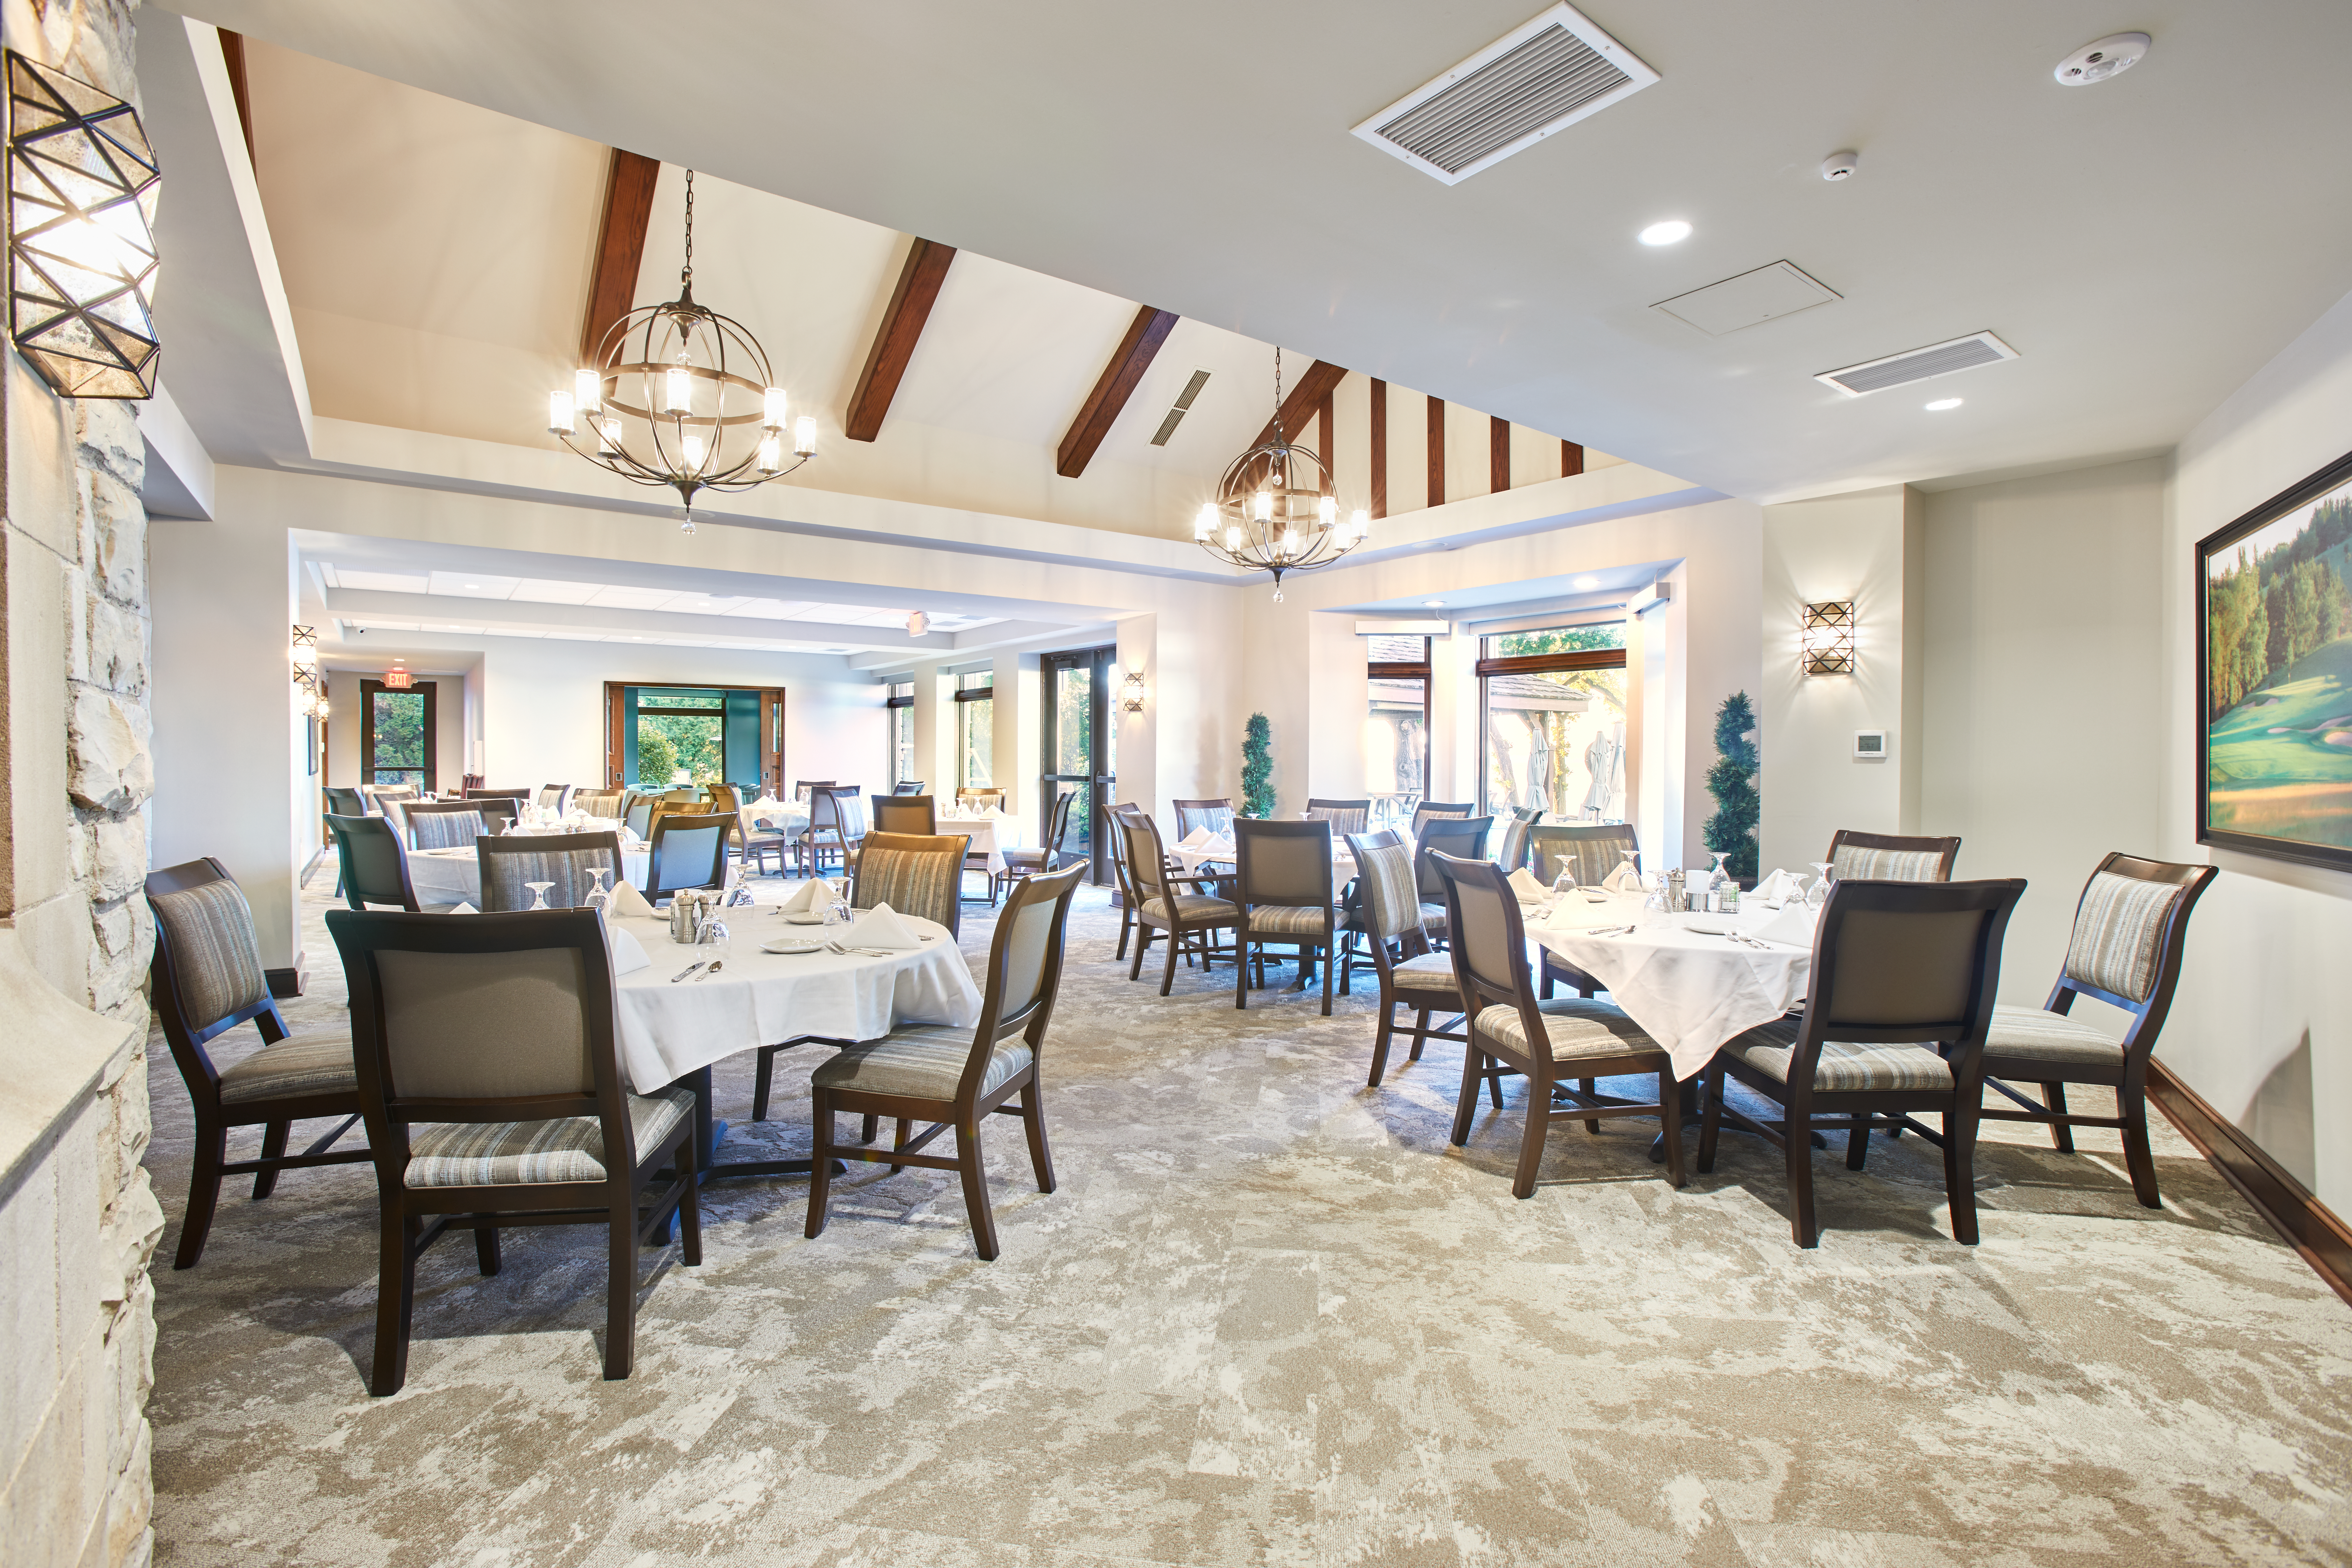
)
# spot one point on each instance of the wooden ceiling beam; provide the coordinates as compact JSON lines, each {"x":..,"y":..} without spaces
{"x":894,"y":341}
{"x":1305,"y":399}
{"x":1119,"y":378}
{"x":620,"y":248}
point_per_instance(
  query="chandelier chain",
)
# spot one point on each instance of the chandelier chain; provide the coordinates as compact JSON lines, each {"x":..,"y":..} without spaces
{"x":688,"y":275}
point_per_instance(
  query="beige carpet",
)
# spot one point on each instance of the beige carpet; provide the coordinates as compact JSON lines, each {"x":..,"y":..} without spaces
{"x":1271,"y":1317}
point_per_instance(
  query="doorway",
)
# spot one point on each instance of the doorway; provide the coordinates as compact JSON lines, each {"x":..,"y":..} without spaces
{"x":1081,"y":745}
{"x":667,"y":737}
{"x":396,"y":735}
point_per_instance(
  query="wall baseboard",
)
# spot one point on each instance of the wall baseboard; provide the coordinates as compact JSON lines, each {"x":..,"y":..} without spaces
{"x":284,"y":983}
{"x":2304,"y":1223}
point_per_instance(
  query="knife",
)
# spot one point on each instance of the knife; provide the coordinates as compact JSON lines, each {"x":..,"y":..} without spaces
{"x":687,"y":970}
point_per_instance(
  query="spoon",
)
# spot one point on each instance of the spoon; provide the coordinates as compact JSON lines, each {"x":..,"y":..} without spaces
{"x":716,"y":965}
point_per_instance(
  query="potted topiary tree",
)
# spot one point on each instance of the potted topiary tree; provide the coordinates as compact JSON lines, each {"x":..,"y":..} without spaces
{"x":1257,"y":767}
{"x":1732,"y":831}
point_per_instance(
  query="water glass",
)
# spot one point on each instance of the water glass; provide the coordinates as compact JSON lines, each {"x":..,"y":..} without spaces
{"x":538,"y":891}
{"x":600,"y":897}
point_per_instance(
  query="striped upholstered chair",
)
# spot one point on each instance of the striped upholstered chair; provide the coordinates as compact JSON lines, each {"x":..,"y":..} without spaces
{"x":1857,"y":857}
{"x":566,"y":861}
{"x":207,"y":980}
{"x":1511,"y":848}
{"x":1412,"y":974}
{"x":914,"y":875}
{"x":1282,"y":883}
{"x":2129,"y":931}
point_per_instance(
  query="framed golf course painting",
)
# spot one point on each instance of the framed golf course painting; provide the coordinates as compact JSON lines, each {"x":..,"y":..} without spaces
{"x":2274,"y":675}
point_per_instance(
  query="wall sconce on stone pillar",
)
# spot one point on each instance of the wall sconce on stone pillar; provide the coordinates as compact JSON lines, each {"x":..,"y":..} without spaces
{"x":82,"y":186}
{"x":1827,"y":639}
{"x":1130,"y":692}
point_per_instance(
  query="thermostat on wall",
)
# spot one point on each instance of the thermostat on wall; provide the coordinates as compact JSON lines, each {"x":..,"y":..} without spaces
{"x":1870,"y":743}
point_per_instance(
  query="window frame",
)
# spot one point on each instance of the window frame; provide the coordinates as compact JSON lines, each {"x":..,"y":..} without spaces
{"x":963,"y":694}
{"x":1559,"y":663}
{"x":1405,"y":669}
{"x":892,"y":702}
{"x":430,"y":782}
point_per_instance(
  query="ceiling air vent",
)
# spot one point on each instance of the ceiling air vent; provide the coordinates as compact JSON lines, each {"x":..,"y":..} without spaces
{"x":1182,"y":407}
{"x":1518,"y":90}
{"x":1918,"y":365}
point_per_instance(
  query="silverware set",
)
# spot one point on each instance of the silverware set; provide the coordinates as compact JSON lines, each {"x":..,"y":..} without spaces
{"x":1611,"y":931}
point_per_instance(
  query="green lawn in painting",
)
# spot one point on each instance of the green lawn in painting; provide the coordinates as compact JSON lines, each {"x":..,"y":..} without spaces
{"x":2281,"y":762}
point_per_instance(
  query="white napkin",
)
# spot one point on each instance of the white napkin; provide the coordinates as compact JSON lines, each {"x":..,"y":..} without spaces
{"x":1625,"y":879}
{"x":1529,"y":889}
{"x":1195,"y":838}
{"x":464,"y":908}
{"x":809,"y":899}
{"x":881,"y":927}
{"x":1776,"y":888}
{"x":628,"y":952}
{"x":1793,"y":925}
{"x":629,"y":904}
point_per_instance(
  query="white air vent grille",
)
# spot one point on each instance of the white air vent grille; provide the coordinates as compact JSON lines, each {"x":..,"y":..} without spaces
{"x":1917,"y":365}
{"x":1548,"y":74}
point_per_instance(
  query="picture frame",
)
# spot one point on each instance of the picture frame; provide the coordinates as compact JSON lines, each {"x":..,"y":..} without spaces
{"x":2274,"y":676}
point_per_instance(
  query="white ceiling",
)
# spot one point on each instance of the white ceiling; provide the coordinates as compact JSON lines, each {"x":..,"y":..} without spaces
{"x":2144,"y":243}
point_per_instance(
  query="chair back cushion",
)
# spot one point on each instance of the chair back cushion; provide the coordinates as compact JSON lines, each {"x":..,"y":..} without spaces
{"x":1438,"y":811}
{"x":1904,"y":971}
{"x":346,"y":802}
{"x":371,"y":859}
{"x":1216,"y":815}
{"x":1028,"y":944}
{"x":640,"y":817}
{"x":1591,"y":852}
{"x":510,"y":864}
{"x":915,"y":815}
{"x":914,"y":874}
{"x":553,"y":794}
{"x":1385,"y":872}
{"x":1854,"y":863}
{"x":485,"y":1026}
{"x":446,"y":830}
{"x":1345,"y":816}
{"x":1143,"y":858}
{"x":1482,"y":938}
{"x":215,"y":958}
{"x":1280,"y":864}
{"x":1464,"y":837}
{"x":1513,"y":849}
{"x":2119,"y":932}
{"x":687,"y":852}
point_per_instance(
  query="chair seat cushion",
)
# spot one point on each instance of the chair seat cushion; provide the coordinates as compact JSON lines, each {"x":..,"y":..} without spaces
{"x":1432,"y":919}
{"x":1427,"y":971}
{"x":922,"y":1062}
{"x":518,"y":1154}
{"x":1035,"y":858}
{"x":1194,"y":909}
{"x":1576,"y":1029}
{"x":1290,"y":920}
{"x":1844,"y":1067}
{"x":2043,"y":1036}
{"x":306,"y":1064}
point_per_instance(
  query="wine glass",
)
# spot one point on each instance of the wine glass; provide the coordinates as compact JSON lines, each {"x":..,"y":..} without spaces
{"x":712,"y":938}
{"x":600,"y":897}
{"x":1719,"y":876}
{"x":1818,"y":893}
{"x":539,"y":893}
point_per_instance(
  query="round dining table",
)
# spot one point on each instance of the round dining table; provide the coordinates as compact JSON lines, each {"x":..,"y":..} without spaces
{"x":992,"y":834}
{"x":455,"y":875}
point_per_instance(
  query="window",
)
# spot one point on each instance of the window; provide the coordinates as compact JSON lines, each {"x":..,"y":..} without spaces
{"x":975,"y":731}
{"x":680,"y":732}
{"x":1081,"y":736}
{"x":396,"y":735}
{"x":1396,"y":723}
{"x":1552,"y":722}
{"x":901,"y":710}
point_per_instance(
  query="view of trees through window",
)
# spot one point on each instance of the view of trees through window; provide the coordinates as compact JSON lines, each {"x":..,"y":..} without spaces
{"x":399,"y":754}
{"x":680,"y":729}
{"x":976,"y":732}
{"x":1555,"y":739}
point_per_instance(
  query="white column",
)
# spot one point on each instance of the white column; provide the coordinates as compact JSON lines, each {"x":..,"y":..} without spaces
{"x":1137,"y":758}
{"x":1453,"y":716}
{"x":1018,"y":743}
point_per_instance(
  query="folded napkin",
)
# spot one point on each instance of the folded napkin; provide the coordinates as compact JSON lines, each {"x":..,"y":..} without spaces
{"x":628,"y":952}
{"x":629,"y":904}
{"x":464,"y":908}
{"x":1195,"y":838}
{"x":1529,"y":889}
{"x":1793,"y":925}
{"x":881,"y":927}
{"x":1625,"y":879}
{"x":1777,"y":886}
{"x":809,"y":899}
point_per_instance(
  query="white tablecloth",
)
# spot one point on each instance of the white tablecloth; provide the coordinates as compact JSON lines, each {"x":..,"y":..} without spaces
{"x":455,"y":875}
{"x":991,"y":836}
{"x":1191,"y":859}
{"x":787,"y":818}
{"x":759,"y":998}
{"x":1690,"y":992}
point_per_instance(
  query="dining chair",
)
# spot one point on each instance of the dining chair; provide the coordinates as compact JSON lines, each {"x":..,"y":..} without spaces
{"x":569,"y":860}
{"x":490,"y":1079}
{"x":345,"y":802}
{"x":1215,"y":815}
{"x":981,"y":799}
{"x":206,"y":979}
{"x":1511,"y":850}
{"x":826,"y":828}
{"x":717,"y":797}
{"x":955,"y":1078}
{"x":554,"y":797}
{"x":1428,"y":809}
{"x":1592,"y":850}
{"x":767,"y":836}
{"x":1047,"y":856}
{"x":601,"y":804}
{"x":1190,"y":919}
{"x":1411,"y":974}
{"x":1462,"y":837}
{"x":518,"y":794}
{"x":1511,"y":1031}
{"x":688,"y":851}
{"x":1282,"y":883}
{"x":374,"y":865}
{"x":500,"y":812}
{"x":1900,"y":1001}
{"x":1889,"y":857}
{"x":907,"y":786}
{"x":914,"y":813}
{"x":638,"y":815}
{"x":376,"y":794}
{"x":805,"y":790}
{"x":1345,"y":816}
{"x":445,"y":825}
{"x":2131,"y":928}
{"x":1116,"y":837}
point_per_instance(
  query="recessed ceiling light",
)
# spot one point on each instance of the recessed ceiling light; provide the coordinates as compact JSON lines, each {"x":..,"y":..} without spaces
{"x":1433,"y":604}
{"x":1674,"y":231}
{"x":473,"y":584}
{"x":1943,"y":403}
{"x":1587,"y":582}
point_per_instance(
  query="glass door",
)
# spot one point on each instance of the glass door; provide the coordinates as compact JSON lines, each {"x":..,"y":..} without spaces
{"x":1081,"y":747}
{"x":396,"y":735}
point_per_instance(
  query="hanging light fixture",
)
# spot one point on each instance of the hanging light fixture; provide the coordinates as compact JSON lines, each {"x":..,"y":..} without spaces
{"x":684,"y":397}
{"x":1276,"y":507}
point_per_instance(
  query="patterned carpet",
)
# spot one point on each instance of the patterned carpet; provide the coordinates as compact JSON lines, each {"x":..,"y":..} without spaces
{"x":1271,"y":1317}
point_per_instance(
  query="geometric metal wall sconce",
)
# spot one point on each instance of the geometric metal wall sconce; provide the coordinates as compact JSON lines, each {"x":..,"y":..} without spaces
{"x":1826,"y":643}
{"x":1131,"y":694}
{"x":306,"y":658}
{"x":82,"y":186}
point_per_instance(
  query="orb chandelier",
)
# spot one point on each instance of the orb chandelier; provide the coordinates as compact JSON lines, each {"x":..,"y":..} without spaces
{"x":684,"y":397}
{"x":1277,"y":509}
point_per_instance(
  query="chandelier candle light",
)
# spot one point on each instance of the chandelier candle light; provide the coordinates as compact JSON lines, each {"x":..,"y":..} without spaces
{"x":1276,"y":510}
{"x":682,"y":396}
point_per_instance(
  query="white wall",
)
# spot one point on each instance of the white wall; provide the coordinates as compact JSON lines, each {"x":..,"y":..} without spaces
{"x":2267,"y":989}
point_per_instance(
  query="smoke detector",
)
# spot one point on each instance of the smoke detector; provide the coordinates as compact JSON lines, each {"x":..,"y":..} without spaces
{"x":2101,"y":59}
{"x":1840,"y":166}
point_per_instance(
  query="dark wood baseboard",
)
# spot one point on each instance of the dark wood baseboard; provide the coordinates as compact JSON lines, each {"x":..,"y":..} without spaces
{"x":285,"y":982}
{"x":2308,"y":1225}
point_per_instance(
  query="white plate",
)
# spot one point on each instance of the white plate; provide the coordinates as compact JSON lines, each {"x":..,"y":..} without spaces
{"x":1703,"y":928}
{"x":805,"y":919}
{"x":789,"y":945}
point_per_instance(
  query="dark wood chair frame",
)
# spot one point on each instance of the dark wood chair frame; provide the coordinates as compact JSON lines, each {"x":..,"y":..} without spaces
{"x":658,"y":882}
{"x":1405,"y":992}
{"x":414,"y":1218}
{"x":1443,"y":835}
{"x":967,"y":1110}
{"x":2128,"y":1076}
{"x":1806,"y":1109}
{"x":1047,"y":856}
{"x":1313,"y":892}
{"x":1204,"y":813}
{"x":1485,"y":1058}
{"x":347,"y":829}
{"x":907,"y":786}
{"x":562,"y":793}
{"x":514,"y":794}
{"x":915,"y":815}
{"x":1949,"y":848}
{"x":187,"y":1038}
{"x":825,"y":818}
{"x":1195,"y":938}
{"x":1115,"y":835}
